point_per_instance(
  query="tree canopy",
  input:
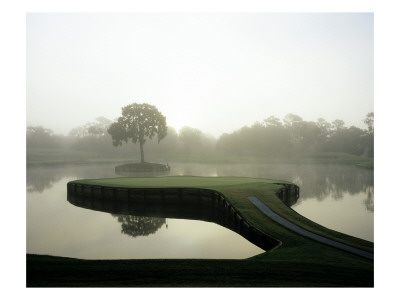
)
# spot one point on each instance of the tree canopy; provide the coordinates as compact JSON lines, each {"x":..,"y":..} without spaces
{"x":369,"y":121}
{"x":41,"y":137}
{"x":137,"y":122}
{"x":297,"y":136}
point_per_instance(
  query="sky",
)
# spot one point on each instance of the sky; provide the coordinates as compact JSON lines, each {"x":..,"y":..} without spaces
{"x":216,"y":72}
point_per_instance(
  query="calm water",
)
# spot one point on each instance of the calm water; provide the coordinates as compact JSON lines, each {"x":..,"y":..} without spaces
{"x":337,"y":197}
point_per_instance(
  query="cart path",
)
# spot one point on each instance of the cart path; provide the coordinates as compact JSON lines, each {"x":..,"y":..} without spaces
{"x":277,"y":218}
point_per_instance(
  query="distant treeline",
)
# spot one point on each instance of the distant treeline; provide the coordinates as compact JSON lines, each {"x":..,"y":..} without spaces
{"x":293,"y":135}
{"x":94,"y":139}
{"x":273,"y":136}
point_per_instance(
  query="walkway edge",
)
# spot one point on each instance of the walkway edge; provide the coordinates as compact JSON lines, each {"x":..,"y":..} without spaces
{"x":282,"y":221}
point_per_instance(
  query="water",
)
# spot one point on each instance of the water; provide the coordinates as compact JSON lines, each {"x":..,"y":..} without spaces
{"x":337,"y":197}
{"x":56,"y":227}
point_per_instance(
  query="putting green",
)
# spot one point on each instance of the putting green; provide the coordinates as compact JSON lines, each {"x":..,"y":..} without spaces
{"x":179,"y":182}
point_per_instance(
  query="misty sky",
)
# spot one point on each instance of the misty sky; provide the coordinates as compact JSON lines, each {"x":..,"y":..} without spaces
{"x":214,"y":71}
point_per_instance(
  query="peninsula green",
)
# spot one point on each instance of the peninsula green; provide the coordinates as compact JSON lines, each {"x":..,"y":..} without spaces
{"x":236,"y":190}
{"x":298,"y":261}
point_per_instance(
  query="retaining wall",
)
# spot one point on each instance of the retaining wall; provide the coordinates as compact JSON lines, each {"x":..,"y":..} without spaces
{"x":182,"y":203}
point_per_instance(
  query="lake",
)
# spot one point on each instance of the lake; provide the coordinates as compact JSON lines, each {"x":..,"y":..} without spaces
{"x":339,"y":197}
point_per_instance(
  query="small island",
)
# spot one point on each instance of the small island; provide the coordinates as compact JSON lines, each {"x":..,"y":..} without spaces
{"x":142,"y":167}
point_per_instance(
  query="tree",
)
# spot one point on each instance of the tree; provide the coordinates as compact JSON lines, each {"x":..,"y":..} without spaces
{"x":293,"y":124}
{"x":39,"y":137}
{"x":98,"y":128}
{"x":137,"y":122}
{"x":338,"y":125}
{"x":272,"y":121}
{"x":324,"y":127}
{"x":190,"y":137}
{"x":369,"y":121}
{"x":368,"y":138}
{"x":324,"y":133}
{"x":291,"y":120}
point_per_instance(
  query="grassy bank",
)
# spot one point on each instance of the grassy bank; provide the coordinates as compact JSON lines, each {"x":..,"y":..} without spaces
{"x":298,"y":262}
{"x":63,"y":156}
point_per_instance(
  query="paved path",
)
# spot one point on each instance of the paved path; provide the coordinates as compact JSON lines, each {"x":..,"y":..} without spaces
{"x":277,"y":218}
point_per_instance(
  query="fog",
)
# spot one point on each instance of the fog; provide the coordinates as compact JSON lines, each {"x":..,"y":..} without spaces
{"x":215,"y":72}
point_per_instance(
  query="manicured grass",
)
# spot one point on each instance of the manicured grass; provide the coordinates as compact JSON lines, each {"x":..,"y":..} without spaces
{"x":61,"y":156}
{"x":323,"y":157}
{"x":297,"y":262}
{"x":182,"y":181}
{"x":37,"y":156}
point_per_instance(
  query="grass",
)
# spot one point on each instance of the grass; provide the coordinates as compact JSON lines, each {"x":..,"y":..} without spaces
{"x":287,"y":270}
{"x":298,"y":262}
{"x":58,"y":156}
{"x":366,"y":164}
{"x":43,"y":156}
{"x":323,"y":157}
{"x":181,"y":181}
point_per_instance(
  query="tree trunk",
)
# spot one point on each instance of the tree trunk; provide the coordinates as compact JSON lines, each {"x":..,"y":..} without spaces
{"x":141,"y":153}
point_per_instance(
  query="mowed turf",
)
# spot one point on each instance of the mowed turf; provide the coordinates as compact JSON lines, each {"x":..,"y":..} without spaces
{"x":180,"y":181}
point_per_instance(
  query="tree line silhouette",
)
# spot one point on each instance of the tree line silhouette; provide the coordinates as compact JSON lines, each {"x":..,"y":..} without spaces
{"x":275,"y":137}
{"x":296,"y":136}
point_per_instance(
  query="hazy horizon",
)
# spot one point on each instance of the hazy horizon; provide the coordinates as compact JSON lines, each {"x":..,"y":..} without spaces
{"x":216,"y":72}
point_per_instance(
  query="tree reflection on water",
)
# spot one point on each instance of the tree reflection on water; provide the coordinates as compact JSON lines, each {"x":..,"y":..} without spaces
{"x":139,"y":226}
{"x":369,"y":202}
